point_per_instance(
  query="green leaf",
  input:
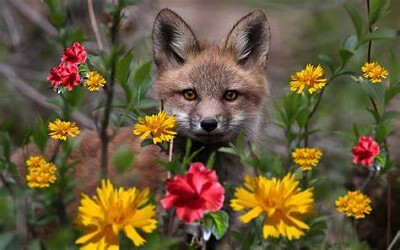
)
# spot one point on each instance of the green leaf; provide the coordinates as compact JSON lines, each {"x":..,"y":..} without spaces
{"x":267,"y":162}
{"x":378,"y":9}
{"x":375,"y":114}
{"x":227,"y":150}
{"x":146,"y":142}
{"x":211,"y":161}
{"x":381,"y":34}
{"x":40,"y":135}
{"x":348,"y":136}
{"x":75,"y":97}
{"x":123,"y":158}
{"x":380,"y":160}
{"x":390,"y":115}
{"x":56,"y":15}
{"x":220,"y":223}
{"x":83,"y":69}
{"x":123,"y":68}
{"x":394,"y":69}
{"x":327,"y":61}
{"x":377,"y":92}
{"x":142,"y":73}
{"x":347,"y":48}
{"x":146,"y":104}
{"x":174,"y":166}
{"x":364,"y":130}
{"x":356,"y":19}
{"x":302,"y":117}
{"x":383,"y":130}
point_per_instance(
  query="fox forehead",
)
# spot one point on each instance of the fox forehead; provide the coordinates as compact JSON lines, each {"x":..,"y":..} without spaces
{"x":211,"y":72}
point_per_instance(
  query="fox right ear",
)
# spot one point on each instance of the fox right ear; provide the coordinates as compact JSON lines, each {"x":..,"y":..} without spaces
{"x":173,"y":40}
{"x":249,"y":39}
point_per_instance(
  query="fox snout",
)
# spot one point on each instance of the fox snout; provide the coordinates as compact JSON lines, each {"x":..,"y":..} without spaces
{"x":208,"y":117}
{"x":209,"y":124}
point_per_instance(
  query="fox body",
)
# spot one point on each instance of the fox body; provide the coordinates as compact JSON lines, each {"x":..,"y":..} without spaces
{"x":216,"y":92}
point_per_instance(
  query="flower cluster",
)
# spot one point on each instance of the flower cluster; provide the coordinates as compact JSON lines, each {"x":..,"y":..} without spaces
{"x":374,"y":72}
{"x":282,"y":201}
{"x":66,"y":74}
{"x":354,"y":204}
{"x":194,"y":193}
{"x":365,"y":151}
{"x":40,"y":172}
{"x":160,"y":127}
{"x":72,"y":71}
{"x":306,"y":158}
{"x":310,"y":77}
{"x":111,"y":211}
{"x":59,"y":130}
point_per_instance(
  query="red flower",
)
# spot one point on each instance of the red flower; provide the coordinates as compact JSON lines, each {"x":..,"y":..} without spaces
{"x":194,"y":192}
{"x":365,"y":151}
{"x":54,"y":76}
{"x":66,"y":75}
{"x":70,"y":75}
{"x":75,"y":54}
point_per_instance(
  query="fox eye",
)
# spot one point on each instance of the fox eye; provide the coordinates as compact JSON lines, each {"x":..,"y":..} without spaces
{"x":189,"y":94}
{"x":231,"y":95}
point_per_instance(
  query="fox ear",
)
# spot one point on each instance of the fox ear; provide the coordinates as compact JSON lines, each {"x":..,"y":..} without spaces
{"x":249,"y":40}
{"x":173,"y":40}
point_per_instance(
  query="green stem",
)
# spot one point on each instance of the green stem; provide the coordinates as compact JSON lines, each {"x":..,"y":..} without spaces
{"x":388,"y":226}
{"x":109,"y":90}
{"x":310,"y":115}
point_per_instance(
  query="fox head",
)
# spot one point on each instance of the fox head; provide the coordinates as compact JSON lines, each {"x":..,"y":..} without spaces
{"x":216,"y":91}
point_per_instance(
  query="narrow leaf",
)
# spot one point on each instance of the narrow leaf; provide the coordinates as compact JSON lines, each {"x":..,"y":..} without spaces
{"x":356,"y":19}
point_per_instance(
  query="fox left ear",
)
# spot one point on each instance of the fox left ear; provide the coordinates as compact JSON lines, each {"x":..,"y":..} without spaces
{"x":173,"y":40}
{"x":249,"y":40}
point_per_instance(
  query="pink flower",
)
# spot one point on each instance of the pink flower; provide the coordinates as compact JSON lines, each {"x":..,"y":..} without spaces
{"x":75,"y":54}
{"x":193,"y":193}
{"x":365,"y":151}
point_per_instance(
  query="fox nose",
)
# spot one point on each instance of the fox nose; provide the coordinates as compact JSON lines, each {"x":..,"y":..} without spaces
{"x":209,"y":124}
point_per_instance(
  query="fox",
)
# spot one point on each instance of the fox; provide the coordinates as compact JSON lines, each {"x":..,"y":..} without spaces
{"x":216,"y":91}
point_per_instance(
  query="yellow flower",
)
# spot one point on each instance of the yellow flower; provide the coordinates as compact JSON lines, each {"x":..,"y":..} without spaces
{"x":160,"y":127}
{"x":95,"y":81}
{"x":282,"y":202}
{"x":35,"y":161}
{"x":354,"y":204}
{"x":310,"y":77}
{"x":59,"y":130}
{"x":40,"y":172}
{"x":374,"y":72}
{"x":111,"y":211}
{"x":306,"y":158}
